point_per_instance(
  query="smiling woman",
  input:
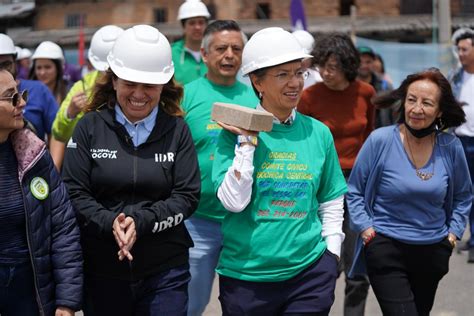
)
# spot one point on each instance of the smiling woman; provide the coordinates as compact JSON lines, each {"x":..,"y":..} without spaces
{"x":283,"y":191}
{"x":39,"y":235}
{"x":133,"y":177}
{"x":410,"y":195}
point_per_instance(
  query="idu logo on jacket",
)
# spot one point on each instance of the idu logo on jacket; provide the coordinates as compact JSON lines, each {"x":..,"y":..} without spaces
{"x":167,"y":157}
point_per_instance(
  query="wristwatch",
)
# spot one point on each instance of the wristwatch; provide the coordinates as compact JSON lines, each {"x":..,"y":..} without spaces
{"x":247,"y":139}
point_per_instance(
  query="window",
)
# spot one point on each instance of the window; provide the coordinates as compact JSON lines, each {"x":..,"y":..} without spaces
{"x":161,"y":15}
{"x":263,"y":11}
{"x":345,"y":7}
{"x":74,"y":20}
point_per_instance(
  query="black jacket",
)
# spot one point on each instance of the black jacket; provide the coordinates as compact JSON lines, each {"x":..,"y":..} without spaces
{"x":156,"y":183}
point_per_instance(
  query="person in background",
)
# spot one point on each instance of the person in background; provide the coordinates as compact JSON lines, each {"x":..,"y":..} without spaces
{"x":378,"y":67}
{"x":410,"y":195}
{"x":462,"y":82}
{"x":40,"y":252}
{"x":41,"y":107}
{"x":194,"y":16}
{"x":23,"y":62}
{"x":47,"y":67}
{"x":133,"y":177}
{"x":71,"y":110}
{"x":221,"y":51}
{"x":383,"y":117}
{"x":343,"y":103}
{"x":283,"y":190}
{"x":306,"y":41}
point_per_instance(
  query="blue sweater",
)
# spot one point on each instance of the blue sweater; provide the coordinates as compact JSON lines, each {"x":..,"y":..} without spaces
{"x":366,"y":176}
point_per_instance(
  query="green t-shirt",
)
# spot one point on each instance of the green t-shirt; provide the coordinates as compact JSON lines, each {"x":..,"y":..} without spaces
{"x":279,"y":233}
{"x":186,"y":68}
{"x":199,"y":96}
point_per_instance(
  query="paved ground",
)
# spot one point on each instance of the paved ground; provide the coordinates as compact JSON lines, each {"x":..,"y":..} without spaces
{"x":455,"y":296}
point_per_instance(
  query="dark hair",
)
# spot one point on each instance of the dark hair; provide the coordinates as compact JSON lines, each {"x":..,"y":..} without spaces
{"x":465,"y":35}
{"x":379,"y":58}
{"x":341,"y":47}
{"x":60,"y":86}
{"x":105,"y":95}
{"x":183,"y":21}
{"x":452,"y":112}
{"x":219,"y":26}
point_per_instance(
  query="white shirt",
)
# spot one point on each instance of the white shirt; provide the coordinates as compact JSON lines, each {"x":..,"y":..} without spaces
{"x":467,"y":96}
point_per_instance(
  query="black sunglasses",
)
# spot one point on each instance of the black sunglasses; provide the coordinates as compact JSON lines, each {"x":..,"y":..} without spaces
{"x":15,"y":98}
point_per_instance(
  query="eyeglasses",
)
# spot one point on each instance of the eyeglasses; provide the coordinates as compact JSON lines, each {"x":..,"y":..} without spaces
{"x":15,"y":98}
{"x":285,"y":77}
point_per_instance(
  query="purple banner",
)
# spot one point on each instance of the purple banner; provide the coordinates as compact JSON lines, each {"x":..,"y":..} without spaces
{"x":298,"y":19}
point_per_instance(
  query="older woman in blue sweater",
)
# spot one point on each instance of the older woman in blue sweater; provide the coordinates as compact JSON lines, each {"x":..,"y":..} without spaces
{"x":410,"y":195}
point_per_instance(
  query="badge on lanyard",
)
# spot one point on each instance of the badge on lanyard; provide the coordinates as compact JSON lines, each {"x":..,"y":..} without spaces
{"x":39,"y":188}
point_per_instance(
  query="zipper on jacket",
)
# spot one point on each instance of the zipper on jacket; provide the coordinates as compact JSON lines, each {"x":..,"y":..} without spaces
{"x":135,"y":165}
{"x":30,"y":252}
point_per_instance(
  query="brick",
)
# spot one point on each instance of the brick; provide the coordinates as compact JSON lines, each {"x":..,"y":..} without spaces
{"x":243,"y":117}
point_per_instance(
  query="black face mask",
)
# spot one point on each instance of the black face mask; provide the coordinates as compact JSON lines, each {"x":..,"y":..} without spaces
{"x":420,"y":133}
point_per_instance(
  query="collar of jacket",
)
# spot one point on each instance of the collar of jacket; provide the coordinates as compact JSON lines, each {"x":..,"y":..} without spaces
{"x":164,"y":123}
{"x":28,"y":149}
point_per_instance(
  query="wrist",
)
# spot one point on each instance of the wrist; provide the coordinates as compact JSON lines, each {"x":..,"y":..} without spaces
{"x":366,"y":238}
{"x":247,"y":140}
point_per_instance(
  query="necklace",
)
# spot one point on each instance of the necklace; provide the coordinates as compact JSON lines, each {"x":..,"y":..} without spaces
{"x":425,"y":176}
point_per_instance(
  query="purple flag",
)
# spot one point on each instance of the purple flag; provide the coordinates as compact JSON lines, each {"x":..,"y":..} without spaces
{"x":298,"y":19}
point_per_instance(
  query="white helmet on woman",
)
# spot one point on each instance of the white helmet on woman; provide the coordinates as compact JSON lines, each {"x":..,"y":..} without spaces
{"x":305,"y":39}
{"x":6,"y":45}
{"x":142,"y":54}
{"x":48,"y":50}
{"x":101,"y":43}
{"x":269,"y":47}
{"x":192,"y":9}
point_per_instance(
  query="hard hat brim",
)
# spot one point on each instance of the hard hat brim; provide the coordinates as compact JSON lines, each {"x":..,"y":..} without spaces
{"x":282,"y":59}
{"x":142,"y":76}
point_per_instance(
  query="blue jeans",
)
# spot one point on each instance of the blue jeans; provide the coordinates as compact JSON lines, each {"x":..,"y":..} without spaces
{"x":17,"y":290}
{"x":468,"y":145}
{"x":203,"y":257}
{"x":164,"y":293}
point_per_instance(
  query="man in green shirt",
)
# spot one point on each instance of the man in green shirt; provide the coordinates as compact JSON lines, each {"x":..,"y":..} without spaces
{"x":222,"y":47}
{"x":188,"y":64}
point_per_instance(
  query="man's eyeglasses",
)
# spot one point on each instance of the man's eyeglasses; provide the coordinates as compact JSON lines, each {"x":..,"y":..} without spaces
{"x":15,"y":98}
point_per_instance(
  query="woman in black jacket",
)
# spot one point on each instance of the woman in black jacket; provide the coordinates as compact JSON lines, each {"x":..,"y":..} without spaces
{"x":40,"y":252}
{"x":133,"y":177}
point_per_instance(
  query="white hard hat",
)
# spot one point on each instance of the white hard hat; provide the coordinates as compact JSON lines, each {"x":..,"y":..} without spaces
{"x":459,"y":32}
{"x":101,"y":43}
{"x":269,"y":47}
{"x":48,"y":50}
{"x":23,"y":53}
{"x":142,"y":54}
{"x":305,"y":39}
{"x":191,"y":9}
{"x":6,"y":45}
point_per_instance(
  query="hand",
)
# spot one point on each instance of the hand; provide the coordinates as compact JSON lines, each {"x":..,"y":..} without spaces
{"x":237,"y":130}
{"x":64,"y":311}
{"x":78,"y":104}
{"x":125,"y":235}
{"x":367,"y":235}
{"x":452,"y":240}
